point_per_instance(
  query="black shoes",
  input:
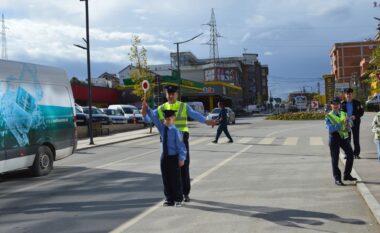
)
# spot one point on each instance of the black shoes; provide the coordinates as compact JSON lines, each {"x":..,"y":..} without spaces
{"x":178,"y":204}
{"x":339,"y":183}
{"x":186,"y":198}
{"x":215,"y":141}
{"x":230,"y":141}
{"x":357,"y":157}
{"x":168,"y":203}
{"x":349,"y":178}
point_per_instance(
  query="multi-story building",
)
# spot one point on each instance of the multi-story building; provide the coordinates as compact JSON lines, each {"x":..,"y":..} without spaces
{"x":346,"y":59}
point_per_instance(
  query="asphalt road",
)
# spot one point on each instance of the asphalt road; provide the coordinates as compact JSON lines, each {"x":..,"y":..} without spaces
{"x":276,"y":177}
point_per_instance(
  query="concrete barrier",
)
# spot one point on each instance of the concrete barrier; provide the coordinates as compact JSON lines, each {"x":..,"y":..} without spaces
{"x":109,"y":129}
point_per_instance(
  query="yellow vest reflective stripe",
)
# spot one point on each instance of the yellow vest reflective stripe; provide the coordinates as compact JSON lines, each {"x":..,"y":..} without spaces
{"x":335,"y":120}
{"x":181,"y":115}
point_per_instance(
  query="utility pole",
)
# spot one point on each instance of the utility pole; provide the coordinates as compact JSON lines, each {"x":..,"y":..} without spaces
{"x":87,"y":48}
{"x":4,"y":54}
{"x":319,"y":88}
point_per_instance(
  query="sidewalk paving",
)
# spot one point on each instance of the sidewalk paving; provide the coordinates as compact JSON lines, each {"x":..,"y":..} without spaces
{"x":368,"y":167}
{"x":116,"y":138}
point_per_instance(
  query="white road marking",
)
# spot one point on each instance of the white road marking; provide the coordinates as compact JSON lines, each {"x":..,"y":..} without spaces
{"x":125,"y":226}
{"x":267,"y":141}
{"x":290,"y":141}
{"x":316,"y":141}
{"x":221,"y":141}
{"x":244,"y":140}
{"x":200,"y":140}
{"x":76,"y":174}
{"x":149,"y":141}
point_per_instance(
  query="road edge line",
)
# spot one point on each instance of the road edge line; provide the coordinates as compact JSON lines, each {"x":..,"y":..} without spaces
{"x":366,"y":194}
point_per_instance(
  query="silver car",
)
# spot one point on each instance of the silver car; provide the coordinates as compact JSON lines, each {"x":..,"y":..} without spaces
{"x":215,"y":113}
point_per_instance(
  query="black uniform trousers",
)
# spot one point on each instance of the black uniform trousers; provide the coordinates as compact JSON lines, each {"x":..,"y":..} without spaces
{"x":185,"y":169}
{"x":355,"y":136}
{"x":335,"y":143}
{"x":171,"y":177}
{"x":222,"y":128}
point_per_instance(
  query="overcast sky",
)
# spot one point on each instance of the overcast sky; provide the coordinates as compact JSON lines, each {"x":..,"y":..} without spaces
{"x":293,"y":37}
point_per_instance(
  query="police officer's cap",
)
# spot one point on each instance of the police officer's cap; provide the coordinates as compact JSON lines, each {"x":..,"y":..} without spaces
{"x":171,"y":88}
{"x":348,"y":90}
{"x":169,"y":113}
{"x":335,"y":100}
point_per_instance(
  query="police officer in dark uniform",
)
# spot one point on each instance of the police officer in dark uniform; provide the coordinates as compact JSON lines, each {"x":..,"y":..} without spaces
{"x":355,"y":111}
{"x":337,"y":122}
{"x":223,"y":122}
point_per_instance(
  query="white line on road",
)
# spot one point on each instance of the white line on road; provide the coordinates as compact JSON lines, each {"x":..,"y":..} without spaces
{"x":244,"y":140}
{"x":267,"y":141}
{"x":125,"y":226}
{"x":76,"y":173}
{"x":290,"y":141}
{"x":200,"y":140}
{"x":316,"y":141}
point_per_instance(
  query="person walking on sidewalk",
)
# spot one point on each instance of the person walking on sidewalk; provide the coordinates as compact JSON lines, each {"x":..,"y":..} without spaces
{"x":376,"y":130}
{"x":173,"y":155}
{"x":354,"y":109}
{"x":337,"y":122}
{"x":183,"y":111}
{"x":223,"y":122}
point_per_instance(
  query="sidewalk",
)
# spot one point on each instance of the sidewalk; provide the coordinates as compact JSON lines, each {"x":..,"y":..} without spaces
{"x":368,"y":167}
{"x":116,"y":138}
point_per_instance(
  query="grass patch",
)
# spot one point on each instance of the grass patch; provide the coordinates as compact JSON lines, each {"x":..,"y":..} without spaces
{"x":292,"y":116}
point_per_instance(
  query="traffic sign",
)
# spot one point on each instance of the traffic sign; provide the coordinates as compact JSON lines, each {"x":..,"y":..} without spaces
{"x":145,"y":85}
{"x":314,"y":104}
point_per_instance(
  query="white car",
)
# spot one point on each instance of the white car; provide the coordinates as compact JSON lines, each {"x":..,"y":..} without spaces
{"x":131,"y":112}
{"x":215,"y":113}
{"x":374,"y":100}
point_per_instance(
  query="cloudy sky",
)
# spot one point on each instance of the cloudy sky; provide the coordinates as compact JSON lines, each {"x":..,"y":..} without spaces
{"x":292,"y":36}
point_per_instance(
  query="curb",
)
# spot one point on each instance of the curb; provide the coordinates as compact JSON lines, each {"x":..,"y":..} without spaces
{"x":116,"y":141}
{"x":370,"y":200}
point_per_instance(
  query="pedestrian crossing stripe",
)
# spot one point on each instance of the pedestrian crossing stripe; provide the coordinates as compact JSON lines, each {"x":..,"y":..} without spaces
{"x":267,"y":141}
{"x":244,"y":140}
{"x":198,"y":141}
{"x":316,"y":141}
{"x":290,"y":141}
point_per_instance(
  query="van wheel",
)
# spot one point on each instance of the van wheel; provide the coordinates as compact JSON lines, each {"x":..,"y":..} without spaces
{"x":43,"y":163}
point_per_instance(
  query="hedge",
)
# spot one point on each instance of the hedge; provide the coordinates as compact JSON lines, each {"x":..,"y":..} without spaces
{"x":298,"y":116}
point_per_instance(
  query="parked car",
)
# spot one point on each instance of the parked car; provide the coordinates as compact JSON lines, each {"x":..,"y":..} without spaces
{"x":131,"y":112}
{"x":215,"y":113}
{"x":82,"y":118}
{"x":116,"y":115}
{"x":375,"y":100}
{"x":98,"y":115}
{"x":253,"y":109}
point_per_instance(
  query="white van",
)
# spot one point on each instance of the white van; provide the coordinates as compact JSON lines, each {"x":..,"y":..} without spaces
{"x":197,"y":106}
{"x":375,"y":100}
{"x":37,"y":117}
{"x":131,"y":112}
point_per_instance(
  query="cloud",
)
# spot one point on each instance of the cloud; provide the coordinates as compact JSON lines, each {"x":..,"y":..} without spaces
{"x":268,"y":53}
{"x":245,"y":37}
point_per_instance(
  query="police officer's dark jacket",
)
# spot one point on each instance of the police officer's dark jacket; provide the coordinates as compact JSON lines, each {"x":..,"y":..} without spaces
{"x":357,"y":109}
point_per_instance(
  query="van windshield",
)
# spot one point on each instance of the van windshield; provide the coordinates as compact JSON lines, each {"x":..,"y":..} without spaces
{"x":128,"y":110}
{"x":216,"y":110}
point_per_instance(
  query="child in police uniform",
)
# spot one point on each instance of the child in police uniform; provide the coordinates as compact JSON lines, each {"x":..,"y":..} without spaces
{"x":173,"y":155}
{"x":376,"y":130}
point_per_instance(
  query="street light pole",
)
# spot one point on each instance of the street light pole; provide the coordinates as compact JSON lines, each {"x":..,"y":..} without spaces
{"x":87,"y":48}
{"x":178,"y":67}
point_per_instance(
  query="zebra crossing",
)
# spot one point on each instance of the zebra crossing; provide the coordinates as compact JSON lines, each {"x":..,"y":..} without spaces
{"x":265,"y":141}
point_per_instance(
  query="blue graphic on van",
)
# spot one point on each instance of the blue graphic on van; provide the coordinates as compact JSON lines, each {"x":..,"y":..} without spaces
{"x":19,"y":108}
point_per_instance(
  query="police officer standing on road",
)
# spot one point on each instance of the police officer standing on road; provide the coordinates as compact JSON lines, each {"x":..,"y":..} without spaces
{"x":355,"y":111}
{"x":183,"y":112}
{"x":223,"y":122}
{"x":337,"y":122}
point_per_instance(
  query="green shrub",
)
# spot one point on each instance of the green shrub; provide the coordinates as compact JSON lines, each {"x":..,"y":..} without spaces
{"x":298,"y":116}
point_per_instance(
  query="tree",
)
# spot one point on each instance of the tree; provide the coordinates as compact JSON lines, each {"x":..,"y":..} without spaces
{"x":138,"y":57}
{"x":75,"y":80}
{"x":373,"y":71}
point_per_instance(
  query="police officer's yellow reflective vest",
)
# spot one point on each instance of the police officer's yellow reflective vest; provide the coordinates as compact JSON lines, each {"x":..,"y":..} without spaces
{"x":181,"y":114}
{"x":335,"y":120}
